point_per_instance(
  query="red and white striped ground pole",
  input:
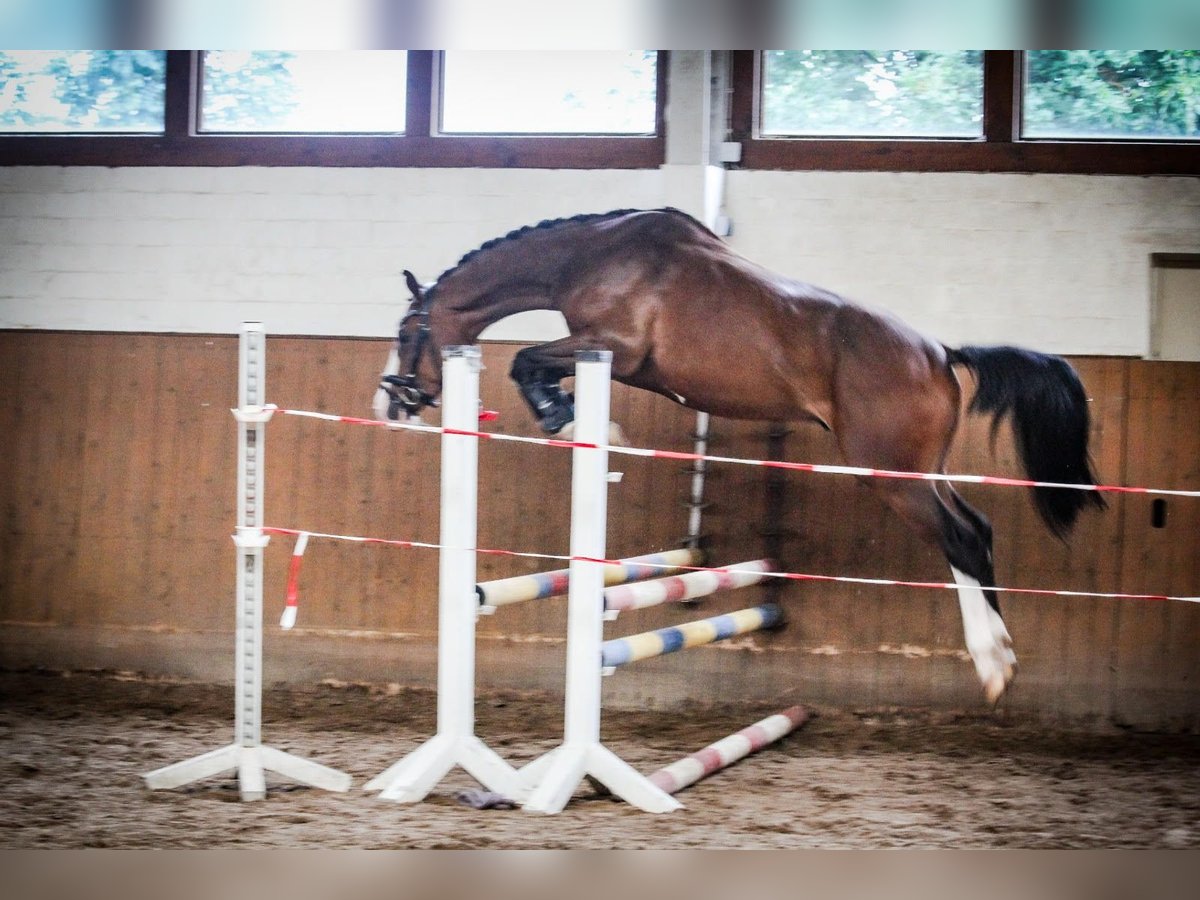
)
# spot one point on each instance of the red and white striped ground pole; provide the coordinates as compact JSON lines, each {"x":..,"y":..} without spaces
{"x":247,"y":754}
{"x":555,"y":776}
{"x":455,"y":743}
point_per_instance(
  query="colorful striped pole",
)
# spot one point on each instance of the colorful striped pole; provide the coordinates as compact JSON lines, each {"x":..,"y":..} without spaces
{"x":728,"y":750}
{"x":540,"y":585}
{"x":677,"y":588}
{"x":625,"y":650}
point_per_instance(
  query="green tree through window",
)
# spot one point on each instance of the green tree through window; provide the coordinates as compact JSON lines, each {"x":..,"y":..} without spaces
{"x":872,"y":93}
{"x":1112,"y":94}
{"x":82,"y":90}
{"x":314,"y":92}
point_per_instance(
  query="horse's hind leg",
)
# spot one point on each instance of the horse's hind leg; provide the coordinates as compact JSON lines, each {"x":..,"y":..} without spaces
{"x":876,"y":429}
{"x":986,"y":634}
{"x":965,"y":538}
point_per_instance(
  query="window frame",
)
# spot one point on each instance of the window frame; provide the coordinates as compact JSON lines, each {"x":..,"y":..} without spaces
{"x":1000,"y":149}
{"x":182,"y":143}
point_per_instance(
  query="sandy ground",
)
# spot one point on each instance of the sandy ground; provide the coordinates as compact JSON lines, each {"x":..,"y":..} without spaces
{"x":73,"y":747}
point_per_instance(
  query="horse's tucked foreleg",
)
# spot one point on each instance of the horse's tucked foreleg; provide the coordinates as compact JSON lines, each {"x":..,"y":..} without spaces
{"x":551,"y":405}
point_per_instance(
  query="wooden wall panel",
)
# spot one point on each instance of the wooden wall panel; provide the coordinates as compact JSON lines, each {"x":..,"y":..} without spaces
{"x":1157,"y":651}
{"x":118,"y":502}
{"x":41,"y":472}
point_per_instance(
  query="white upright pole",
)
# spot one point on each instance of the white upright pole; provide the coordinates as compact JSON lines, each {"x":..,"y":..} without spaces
{"x":246,"y":754}
{"x":250,"y":541}
{"x":558,"y":773}
{"x":414,"y":776}
{"x":457,"y":603}
{"x":589,"y":538}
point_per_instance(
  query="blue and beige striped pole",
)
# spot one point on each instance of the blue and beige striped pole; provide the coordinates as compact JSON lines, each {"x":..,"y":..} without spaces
{"x":621,"y":651}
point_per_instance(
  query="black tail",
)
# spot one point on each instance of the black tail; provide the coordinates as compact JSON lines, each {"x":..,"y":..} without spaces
{"x":1048,"y":406}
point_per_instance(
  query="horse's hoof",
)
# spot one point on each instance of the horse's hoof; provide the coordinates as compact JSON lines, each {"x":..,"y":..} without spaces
{"x":995,"y":664}
{"x":994,"y":689}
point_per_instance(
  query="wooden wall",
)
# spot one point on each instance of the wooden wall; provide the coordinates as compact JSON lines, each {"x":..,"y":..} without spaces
{"x":118,"y":497}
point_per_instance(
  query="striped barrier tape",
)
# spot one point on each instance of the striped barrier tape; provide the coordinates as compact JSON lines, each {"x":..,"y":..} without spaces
{"x":820,"y":468}
{"x":791,"y":576}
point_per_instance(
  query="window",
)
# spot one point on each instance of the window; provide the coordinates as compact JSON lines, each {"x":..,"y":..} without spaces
{"x":340,"y":108}
{"x":82,"y":91}
{"x":498,"y":92}
{"x":247,"y":91}
{"x":872,"y":93}
{"x":1094,"y":112}
{"x":1112,"y":94}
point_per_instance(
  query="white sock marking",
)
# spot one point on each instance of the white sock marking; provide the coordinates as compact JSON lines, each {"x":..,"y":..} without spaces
{"x":986,"y":636}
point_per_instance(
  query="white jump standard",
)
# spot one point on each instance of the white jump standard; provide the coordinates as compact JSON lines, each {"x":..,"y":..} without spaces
{"x":559,"y":772}
{"x":455,"y":743}
{"x":247,"y":754}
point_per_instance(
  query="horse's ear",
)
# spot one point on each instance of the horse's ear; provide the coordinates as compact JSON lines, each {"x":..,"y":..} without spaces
{"x":413,"y":285}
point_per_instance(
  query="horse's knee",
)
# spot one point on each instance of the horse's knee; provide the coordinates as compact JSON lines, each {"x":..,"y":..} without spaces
{"x":523,"y":366}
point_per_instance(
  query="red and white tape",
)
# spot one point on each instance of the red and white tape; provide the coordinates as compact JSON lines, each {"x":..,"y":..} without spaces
{"x":822,"y":468}
{"x":729,"y":570}
{"x":292,"y":604}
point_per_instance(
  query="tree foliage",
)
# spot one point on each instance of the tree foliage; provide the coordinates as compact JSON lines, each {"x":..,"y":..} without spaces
{"x":1070,"y":93}
{"x":125,"y":90}
{"x":1099,"y":93}
{"x":247,"y":90}
{"x":82,"y":90}
{"x":873,"y":92}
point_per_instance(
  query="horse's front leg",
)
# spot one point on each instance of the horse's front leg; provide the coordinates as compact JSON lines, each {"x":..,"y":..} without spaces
{"x":537,"y":372}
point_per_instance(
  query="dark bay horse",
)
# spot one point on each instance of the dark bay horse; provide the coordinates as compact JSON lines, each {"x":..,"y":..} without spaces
{"x":687,"y":317}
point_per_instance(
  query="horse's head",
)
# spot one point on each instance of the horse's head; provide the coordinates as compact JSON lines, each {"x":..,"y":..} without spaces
{"x":412,"y":378}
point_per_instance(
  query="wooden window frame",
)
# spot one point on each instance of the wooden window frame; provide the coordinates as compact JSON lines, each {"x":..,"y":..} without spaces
{"x":183,"y":144}
{"x":1000,"y":149}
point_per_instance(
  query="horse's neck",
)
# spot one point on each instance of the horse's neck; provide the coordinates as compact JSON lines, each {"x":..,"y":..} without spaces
{"x":463,"y":321}
{"x":496,"y":288}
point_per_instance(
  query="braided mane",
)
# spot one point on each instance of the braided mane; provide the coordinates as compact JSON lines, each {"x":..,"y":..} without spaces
{"x":544,"y":225}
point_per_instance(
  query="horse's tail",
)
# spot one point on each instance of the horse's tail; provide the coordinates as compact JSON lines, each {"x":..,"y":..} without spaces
{"x":1049,"y":411}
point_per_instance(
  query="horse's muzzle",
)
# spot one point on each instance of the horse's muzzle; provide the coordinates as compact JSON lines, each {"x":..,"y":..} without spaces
{"x":398,"y":399}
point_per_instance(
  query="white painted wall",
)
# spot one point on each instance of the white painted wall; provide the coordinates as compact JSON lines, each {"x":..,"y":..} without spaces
{"x":1056,"y":262}
{"x":305,"y":250}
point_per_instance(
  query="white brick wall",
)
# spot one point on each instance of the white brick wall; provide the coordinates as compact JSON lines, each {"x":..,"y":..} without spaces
{"x":307,"y":251}
{"x":1056,"y":262}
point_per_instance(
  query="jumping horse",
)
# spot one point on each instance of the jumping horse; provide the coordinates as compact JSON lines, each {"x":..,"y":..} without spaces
{"x":687,"y":317}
